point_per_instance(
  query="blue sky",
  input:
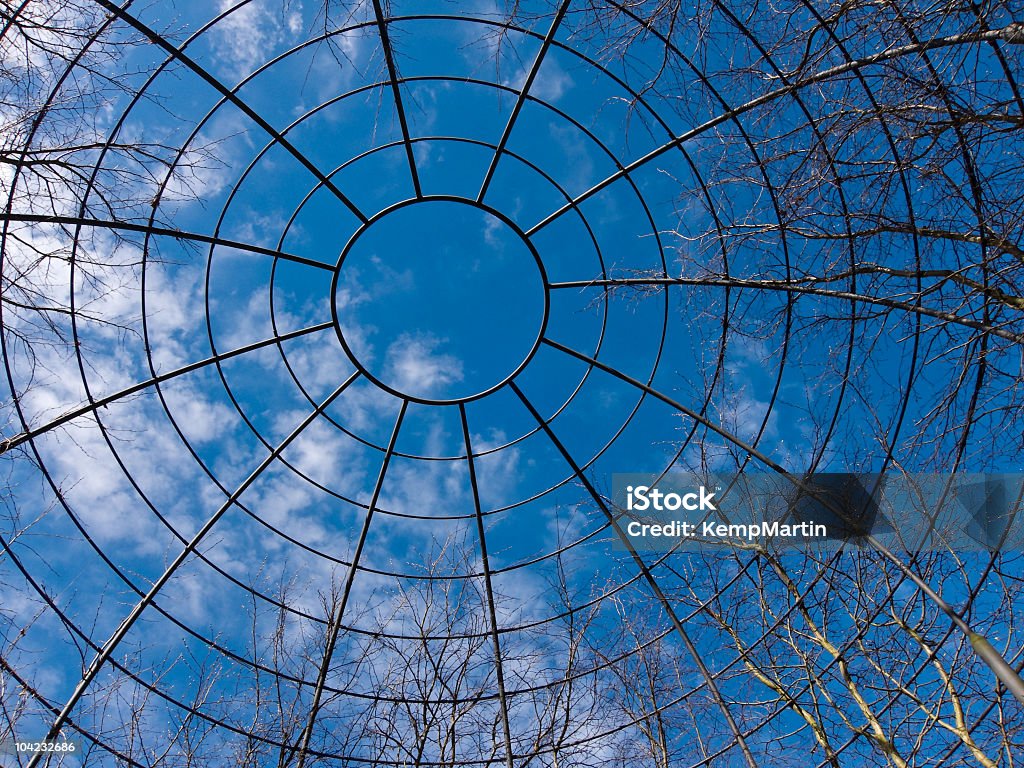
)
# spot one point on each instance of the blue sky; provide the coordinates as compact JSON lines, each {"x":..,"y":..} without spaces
{"x":441,"y":300}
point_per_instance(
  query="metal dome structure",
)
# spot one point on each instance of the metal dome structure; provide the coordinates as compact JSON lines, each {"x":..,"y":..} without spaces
{"x":327,"y":327}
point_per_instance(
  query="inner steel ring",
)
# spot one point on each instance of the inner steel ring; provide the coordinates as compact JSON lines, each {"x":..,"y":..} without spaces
{"x":482,"y":208}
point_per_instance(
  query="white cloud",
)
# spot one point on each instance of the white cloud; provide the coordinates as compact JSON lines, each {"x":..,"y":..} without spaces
{"x":252,"y":34}
{"x":413,"y":365}
{"x":578,"y":171}
{"x":497,"y":472}
{"x":551,"y":82}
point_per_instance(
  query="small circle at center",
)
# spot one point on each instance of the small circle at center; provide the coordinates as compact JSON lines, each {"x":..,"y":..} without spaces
{"x":440,"y":300}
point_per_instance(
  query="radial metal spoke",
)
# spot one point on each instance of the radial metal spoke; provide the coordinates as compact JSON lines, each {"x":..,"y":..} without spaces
{"x":982,"y":647}
{"x":703,"y":420}
{"x":763,"y":99}
{"x":488,"y":588}
{"x":233,"y":97}
{"x":102,"y":402}
{"x":334,"y":628}
{"x":798,"y":287}
{"x":125,"y":626}
{"x":521,"y":99}
{"x":389,"y":58}
{"x":652,"y":583}
{"x":784,"y":140}
{"x":176,"y":234}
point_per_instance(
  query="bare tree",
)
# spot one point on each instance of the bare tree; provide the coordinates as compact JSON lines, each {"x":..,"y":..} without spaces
{"x":853,"y":208}
{"x":79,"y":189}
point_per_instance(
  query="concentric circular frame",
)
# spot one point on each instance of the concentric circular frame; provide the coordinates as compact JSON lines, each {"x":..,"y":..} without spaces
{"x":646,"y":572}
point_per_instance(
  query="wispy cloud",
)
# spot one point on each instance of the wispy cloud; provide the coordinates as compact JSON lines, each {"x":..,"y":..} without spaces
{"x":414,"y":365}
{"x":250,"y":35}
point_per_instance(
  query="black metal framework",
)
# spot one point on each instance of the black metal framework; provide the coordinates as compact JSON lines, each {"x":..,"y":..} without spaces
{"x":496,"y":215}
{"x":648,"y":389}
